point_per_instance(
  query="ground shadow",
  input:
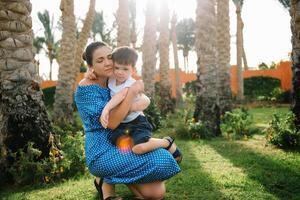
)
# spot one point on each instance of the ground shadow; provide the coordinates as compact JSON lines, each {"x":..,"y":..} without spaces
{"x":278,"y":178}
{"x":192,"y":183}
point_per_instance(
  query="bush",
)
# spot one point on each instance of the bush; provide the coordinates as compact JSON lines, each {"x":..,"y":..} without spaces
{"x":191,"y":130}
{"x":153,"y":115}
{"x":49,"y":96}
{"x":283,"y":131}
{"x":262,"y":88}
{"x":67,"y":161}
{"x":237,"y":123}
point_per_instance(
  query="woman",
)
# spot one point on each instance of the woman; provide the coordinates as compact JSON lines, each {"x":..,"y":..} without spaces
{"x":143,"y":174}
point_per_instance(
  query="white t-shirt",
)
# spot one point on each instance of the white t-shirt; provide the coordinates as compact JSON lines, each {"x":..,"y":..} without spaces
{"x":117,"y":88}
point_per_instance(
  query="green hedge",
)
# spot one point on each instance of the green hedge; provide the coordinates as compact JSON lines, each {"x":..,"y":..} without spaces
{"x":261,"y":88}
{"x":49,"y":96}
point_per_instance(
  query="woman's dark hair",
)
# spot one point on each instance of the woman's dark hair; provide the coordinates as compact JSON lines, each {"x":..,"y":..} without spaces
{"x":88,"y":54}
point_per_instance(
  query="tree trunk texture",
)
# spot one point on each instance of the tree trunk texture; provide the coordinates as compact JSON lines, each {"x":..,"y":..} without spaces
{"x":123,"y":23}
{"x":223,"y":58}
{"x":164,"y":42}
{"x":149,"y":49}
{"x":207,"y":108}
{"x":133,"y":34}
{"x":239,"y":53}
{"x":23,"y":117}
{"x":63,"y":108}
{"x":179,"y":100}
{"x":83,"y":38}
{"x":295,"y":27}
{"x":245,"y":63}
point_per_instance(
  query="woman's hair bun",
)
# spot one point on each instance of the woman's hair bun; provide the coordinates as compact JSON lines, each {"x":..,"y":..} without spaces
{"x":84,"y":56}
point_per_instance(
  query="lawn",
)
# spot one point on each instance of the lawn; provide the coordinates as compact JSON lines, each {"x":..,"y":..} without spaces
{"x":211,"y":169}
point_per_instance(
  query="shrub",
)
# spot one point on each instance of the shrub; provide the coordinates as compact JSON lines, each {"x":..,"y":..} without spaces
{"x":237,"y":123}
{"x":261,"y":88}
{"x":49,"y":96}
{"x":67,"y":161}
{"x":191,"y":130}
{"x":283,"y":131}
{"x":153,"y":115}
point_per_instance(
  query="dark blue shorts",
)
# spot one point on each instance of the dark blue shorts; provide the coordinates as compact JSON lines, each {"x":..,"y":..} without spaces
{"x":139,"y":129}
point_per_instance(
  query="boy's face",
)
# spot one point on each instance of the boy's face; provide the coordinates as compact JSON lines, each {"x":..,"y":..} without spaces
{"x":122,"y":72}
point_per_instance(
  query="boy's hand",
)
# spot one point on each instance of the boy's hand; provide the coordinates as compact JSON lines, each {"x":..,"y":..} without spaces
{"x":138,"y":86}
{"x":90,"y":74}
{"x":104,"y":117}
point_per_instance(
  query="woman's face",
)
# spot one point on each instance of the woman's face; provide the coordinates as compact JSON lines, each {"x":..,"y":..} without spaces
{"x":102,"y":62}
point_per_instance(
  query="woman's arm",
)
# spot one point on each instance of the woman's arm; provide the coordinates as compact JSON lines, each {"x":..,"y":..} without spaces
{"x":141,"y":104}
{"x":119,"y":112}
{"x":113,"y":102}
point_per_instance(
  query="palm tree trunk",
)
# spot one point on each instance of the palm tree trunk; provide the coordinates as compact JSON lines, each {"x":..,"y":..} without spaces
{"x":295,"y":27}
{"x":63,"y":109}
{"x":207,"y":108}
{"x":23,"y":116}
{"x":239,"y":52}
{"x":123,"y":23}
{"x":164,"y":42}
{"x":244,"y":53}
{"x":223,"y":59}
{"x":179,"y":101}
{"x":83,"y":38}
{"x":133,"y":34}
{"x":149,"y":49}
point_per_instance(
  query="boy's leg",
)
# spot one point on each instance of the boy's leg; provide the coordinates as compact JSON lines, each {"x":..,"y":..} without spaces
{"x":152,"y":144}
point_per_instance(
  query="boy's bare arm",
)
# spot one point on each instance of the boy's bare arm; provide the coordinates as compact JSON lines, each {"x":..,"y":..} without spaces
{"x":116,"y":99}
{"x":141,"y":104}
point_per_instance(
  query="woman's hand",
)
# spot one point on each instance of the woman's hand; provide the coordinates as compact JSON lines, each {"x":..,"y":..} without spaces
{"x":137,"y":87}
{"x":104,"y":117}
{"x":90,"y":74}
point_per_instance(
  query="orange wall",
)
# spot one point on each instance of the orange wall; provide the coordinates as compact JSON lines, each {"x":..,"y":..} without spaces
{"x":283,"y":73}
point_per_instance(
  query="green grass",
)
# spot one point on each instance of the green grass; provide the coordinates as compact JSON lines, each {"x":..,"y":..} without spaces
{"x":262,"y":116}
{"x":211,"y":169}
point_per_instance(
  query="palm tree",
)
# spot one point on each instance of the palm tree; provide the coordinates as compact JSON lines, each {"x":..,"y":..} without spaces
{"x":164,"y":42}
{"x":132,"y":12}
{"x":239,"y":50}
{"x":294,"y":7}
{"x":149,"y":48}
{"x":48,"y":39}
{"x":185,"y":30}
{"x":63,"y":109}
{"x":123,"y":23}
{"x":83,"y":38}
{"x":223,"y":58}
{"x":23,"y":117}
{"x":99,"y":27}
{"x":179,"y":101}
{"x":207,"y":108}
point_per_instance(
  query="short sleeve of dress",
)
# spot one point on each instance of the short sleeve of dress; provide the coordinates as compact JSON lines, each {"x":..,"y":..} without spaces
{"x":90,"y":101}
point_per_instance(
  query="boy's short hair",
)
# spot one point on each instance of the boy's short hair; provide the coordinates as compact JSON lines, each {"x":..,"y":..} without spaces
{"x":125,"y":56}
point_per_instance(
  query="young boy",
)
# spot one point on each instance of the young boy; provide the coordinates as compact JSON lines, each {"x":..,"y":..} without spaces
{"x":135,"y":124}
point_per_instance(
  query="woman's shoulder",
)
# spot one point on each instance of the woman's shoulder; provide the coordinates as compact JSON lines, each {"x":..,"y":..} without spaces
{"x":85,"y":81}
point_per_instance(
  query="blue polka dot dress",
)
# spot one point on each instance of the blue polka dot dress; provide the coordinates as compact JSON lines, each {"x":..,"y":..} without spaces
{"x":106,"y":160}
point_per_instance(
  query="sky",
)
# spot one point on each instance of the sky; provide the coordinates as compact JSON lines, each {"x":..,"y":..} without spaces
{"x":267,"y":34}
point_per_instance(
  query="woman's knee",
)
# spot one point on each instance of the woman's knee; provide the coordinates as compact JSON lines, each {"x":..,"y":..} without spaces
{"x":155,"y":192}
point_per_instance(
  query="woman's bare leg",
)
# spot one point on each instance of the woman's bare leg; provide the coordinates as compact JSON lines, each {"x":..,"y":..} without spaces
{"x":153,"y":191}
{"x":107,"y":189}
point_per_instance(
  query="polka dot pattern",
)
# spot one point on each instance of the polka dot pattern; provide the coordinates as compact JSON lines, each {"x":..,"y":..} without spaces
{"x":106,"y":160}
